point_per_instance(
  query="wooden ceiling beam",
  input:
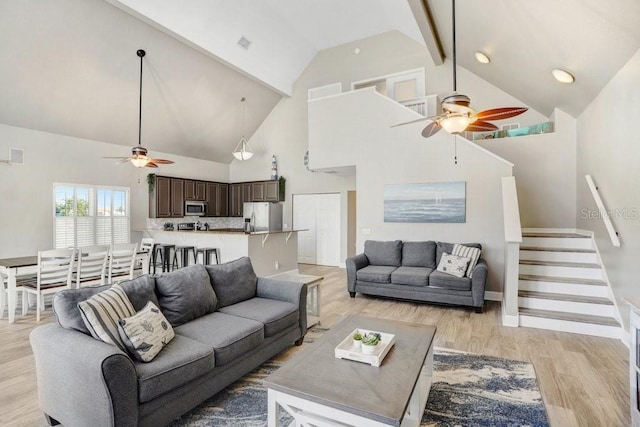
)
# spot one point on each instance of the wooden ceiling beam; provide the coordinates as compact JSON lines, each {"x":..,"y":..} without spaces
{"x":424,"y":18}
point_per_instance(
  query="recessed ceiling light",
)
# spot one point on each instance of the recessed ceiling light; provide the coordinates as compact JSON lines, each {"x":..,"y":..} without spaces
{"x":482,"y":58}
{"x":356,"y":51}
{"x":563,"y":76}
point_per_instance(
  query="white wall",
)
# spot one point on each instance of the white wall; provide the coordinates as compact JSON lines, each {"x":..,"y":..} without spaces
{"x":545,"y":171}
{"x":26,"y":218}
{"x":285,"y":132}
{"x":609,"y":151}
{"x":354,"y":128}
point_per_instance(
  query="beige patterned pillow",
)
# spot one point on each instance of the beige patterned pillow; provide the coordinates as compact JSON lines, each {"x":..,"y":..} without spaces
{"x":453,"y":264}
{"x":467,"y":252}
{"x":145,"y":333}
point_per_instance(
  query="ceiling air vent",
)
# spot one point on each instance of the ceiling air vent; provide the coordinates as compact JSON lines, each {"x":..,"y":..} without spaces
{"x":244,"y":43}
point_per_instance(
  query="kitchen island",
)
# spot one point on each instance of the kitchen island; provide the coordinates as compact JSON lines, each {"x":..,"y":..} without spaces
{"x":271,"y":252}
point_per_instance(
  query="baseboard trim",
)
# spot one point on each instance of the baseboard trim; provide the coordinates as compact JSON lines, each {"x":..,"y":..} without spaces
{"x":492,"y":296}
{"x":342,"y":265}
{"x":510,"y":321}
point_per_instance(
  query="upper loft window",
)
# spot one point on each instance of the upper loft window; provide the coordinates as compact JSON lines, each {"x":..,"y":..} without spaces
{"x":90,"y":215}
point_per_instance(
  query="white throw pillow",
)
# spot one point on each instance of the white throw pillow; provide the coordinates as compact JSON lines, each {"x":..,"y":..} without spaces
{"x":453,"y":264}
{"x":102,"y":311}
{"x":146,"y":333}
{"x":467,"y":252}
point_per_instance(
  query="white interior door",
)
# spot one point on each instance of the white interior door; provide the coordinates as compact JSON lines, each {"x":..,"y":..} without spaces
{"x":304,"y":217}
{"x":320,"y":214}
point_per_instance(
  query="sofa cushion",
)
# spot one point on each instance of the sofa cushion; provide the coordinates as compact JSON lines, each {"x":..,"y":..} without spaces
{"x":375,"y":273}
{"x":467,"y":252}
{"x":383,"y":253}
{"x":438,"y":279}
{"x":419,"y":254}
{"x":275,"y":315}
{"x":233,"y":281}
{"x":412,"y":276}
{"x":65,"y":306}
{"x":230,"y":336}
{"x":140,"y":291}
{"x":145,"y":333}
{"x":180,"y":362}
{"x":443,"y":247}
{"x":185,"y":294}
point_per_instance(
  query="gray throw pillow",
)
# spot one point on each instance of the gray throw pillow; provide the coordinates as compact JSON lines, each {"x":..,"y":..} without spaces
{"x":185,"y":294}
{"x":233,"y":281}
{"x":419,"y":254}
{"x":383,"y":253}
{"x":140,"y":291}
{"x":65,"y":306}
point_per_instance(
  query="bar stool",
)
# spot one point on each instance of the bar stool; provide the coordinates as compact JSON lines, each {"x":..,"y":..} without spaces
{"x":184,"y":256}
{"x":206,"y":255}
{"x":162,"y":252}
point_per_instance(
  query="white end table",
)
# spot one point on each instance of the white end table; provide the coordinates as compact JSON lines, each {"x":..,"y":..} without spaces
{"x":313,"y":293}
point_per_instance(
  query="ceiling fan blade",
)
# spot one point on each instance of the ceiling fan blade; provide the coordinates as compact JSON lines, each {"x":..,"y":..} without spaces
{"x":422,"y":119}
{"x":150,"y":164}
{"x":500,"y":113}
{"x":161,"y":161}
{"x":481,"y":126}
{"x":431,"y":129}
{"x":123,"y":160}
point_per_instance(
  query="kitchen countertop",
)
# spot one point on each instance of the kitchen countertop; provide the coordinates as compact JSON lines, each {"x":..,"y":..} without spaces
{"x":229,"y":231}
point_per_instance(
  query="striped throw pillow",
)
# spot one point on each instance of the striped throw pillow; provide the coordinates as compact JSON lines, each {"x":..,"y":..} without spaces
{"x":467,"y":252}
{"x":102,"y":311}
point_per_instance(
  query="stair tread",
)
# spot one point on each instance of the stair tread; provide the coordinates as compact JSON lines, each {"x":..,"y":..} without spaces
{"x":556,"y":235}
{"x":577,"y":281}
{"x":547,"y":249}
{"x":559,"y":263}
{"x":565,"y":297}
{"x":572,"y":317}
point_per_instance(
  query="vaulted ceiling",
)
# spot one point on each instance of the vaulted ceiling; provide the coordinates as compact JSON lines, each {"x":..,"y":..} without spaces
{"x":70,"y":66}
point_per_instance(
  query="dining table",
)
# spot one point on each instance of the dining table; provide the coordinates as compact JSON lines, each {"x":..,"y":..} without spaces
{"x":12,"y":268}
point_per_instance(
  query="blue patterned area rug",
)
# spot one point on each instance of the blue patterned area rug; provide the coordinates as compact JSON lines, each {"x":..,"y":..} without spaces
{"x":468,"y":390}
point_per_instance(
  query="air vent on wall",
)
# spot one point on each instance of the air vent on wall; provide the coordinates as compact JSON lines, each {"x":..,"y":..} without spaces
{"x":244,"y":43}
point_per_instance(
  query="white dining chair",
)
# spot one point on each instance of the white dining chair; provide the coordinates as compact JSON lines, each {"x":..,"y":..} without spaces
{"x":122,"y":261}
{"x":146,"y":246}
{"x":3,"y":294}
{"x":54,"y":272}
{"x":92,"y":265}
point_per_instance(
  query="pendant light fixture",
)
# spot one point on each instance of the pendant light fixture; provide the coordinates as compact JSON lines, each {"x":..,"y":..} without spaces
{"x":242,"y":150}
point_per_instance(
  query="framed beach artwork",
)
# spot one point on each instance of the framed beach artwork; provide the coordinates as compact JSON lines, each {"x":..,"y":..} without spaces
{"x":425,"y":202}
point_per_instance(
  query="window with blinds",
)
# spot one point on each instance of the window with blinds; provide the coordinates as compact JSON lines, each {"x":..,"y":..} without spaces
{"x":90,"y":215}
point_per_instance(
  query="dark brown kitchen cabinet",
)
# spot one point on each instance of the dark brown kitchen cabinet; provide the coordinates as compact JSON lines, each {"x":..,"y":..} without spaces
{"x":177,"y":197}
{"x":272,"y":191}
{"x":257,"y":190}
{"x":166,"y":200}
{"x":235,"y":199}
{"x":247,"y":194}
{"x":195,"y":190}
{"x":217,"y":199}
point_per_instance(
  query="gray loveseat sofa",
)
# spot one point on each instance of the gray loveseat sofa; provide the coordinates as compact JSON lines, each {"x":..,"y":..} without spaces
{"x":219,"y":337}
{"x":407,"y":270}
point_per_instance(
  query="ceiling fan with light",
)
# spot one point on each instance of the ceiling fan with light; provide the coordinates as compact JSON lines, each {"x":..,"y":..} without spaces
{"x":457,"y":115}
{"x":138,"y":156}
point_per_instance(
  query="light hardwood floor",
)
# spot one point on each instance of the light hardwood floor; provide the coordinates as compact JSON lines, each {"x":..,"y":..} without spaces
{"x":584,"y":380}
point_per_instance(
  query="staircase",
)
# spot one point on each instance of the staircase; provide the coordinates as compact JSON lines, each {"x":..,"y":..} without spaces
{"x":562,"y":286}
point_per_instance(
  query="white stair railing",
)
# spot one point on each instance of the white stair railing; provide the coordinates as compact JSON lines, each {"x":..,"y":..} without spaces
{"x":512,"y":238}
{"x":603,"y":212}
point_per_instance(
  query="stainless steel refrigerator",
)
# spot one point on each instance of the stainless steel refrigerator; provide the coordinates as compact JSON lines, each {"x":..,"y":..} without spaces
{"x":262,"y":216}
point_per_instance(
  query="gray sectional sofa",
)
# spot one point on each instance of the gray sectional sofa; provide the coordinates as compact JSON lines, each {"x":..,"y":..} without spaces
{"x":407,"y":270}
{"x":84,"y":382}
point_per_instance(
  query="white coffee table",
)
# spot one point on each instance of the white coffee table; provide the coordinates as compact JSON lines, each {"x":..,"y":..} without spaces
{"x":315,"y":388}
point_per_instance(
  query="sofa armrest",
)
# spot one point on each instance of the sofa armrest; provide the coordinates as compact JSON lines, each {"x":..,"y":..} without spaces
{"x":283,"y":290}
{"x":83,"y":381}
{"x":478,"y":282}
{"x":354,"y":264}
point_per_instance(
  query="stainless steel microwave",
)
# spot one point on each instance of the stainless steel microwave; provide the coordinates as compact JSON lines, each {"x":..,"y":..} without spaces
{"x":195,"y":209}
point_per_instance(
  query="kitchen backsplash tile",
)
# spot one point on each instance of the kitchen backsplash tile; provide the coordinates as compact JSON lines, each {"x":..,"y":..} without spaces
{"x":221,"y":222}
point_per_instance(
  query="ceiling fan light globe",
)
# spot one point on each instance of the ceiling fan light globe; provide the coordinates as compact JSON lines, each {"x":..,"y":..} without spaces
{"x":455,"y":124}
{"x":140,"y":161}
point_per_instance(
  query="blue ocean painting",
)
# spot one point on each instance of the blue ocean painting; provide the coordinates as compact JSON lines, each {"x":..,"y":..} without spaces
{"x":425,"y":202}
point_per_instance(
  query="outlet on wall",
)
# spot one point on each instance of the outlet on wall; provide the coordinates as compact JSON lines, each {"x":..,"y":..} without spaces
{"x":277,"y":265}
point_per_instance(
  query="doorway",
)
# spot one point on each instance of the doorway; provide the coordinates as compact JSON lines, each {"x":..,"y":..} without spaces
{"x":319,"y":215}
